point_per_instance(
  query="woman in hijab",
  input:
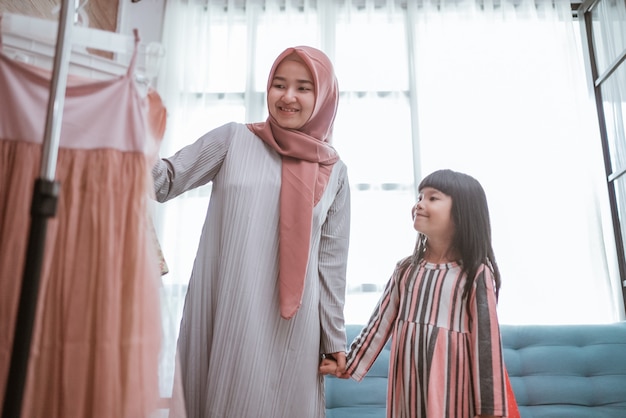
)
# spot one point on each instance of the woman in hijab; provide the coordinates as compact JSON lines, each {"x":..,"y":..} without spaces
{"x":266,"y":294}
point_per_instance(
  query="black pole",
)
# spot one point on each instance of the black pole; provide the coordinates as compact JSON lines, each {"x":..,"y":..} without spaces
{"x":43,"y":206}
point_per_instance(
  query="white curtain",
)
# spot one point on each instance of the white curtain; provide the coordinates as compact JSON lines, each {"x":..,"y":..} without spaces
{"x":493,"y":89}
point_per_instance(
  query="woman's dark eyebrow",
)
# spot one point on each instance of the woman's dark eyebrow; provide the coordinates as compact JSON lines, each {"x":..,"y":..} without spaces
{"x":283,"y":79}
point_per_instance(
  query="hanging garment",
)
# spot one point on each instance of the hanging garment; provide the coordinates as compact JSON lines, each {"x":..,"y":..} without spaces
{"x":97,"y":331}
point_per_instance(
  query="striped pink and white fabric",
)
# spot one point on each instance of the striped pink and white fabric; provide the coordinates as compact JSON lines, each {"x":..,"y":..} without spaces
{"x":446,"y":356}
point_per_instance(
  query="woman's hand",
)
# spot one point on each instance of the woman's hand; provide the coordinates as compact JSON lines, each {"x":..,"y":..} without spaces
{"x":328,"y":366}
{"x":340,"y":358}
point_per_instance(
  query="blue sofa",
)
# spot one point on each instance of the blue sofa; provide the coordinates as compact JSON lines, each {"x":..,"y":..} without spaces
{"x":556,"y":371}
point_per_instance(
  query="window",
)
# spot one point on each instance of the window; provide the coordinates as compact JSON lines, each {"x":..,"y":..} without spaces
{"x":497,"y":93}
{"x":604,"y":22}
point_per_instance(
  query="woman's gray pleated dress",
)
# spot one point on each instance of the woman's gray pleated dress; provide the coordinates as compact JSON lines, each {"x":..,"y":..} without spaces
{"x":238,"y":357}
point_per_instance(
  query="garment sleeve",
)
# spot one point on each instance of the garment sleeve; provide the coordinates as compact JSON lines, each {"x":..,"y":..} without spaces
{"x":369,"y":343}
{"x":488,"y":363}
{"x":194,"y":165}
{"x":332,"y":269}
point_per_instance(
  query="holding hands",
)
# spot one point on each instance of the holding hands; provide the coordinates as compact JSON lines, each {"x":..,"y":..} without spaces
{"x":335,"y":364}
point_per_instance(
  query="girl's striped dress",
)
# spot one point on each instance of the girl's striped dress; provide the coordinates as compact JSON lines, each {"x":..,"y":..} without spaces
{"x":446,"y":355}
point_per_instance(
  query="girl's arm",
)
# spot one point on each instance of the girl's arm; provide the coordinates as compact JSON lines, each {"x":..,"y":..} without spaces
{"x":192,"y":166}
{"x":488,"y":362}
{"x":367,"y":346}
{"x":332,"y":265}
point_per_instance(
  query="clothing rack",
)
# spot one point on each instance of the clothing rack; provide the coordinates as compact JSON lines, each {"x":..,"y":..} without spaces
{"x":36,"y":37}
{"x":33,"y":40}
{"x":43,"y":206}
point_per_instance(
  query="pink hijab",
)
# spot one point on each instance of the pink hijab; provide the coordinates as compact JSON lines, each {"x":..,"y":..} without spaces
{"x":307,"y":161}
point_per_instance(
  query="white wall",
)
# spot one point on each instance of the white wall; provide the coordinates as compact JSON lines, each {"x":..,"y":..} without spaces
{"x":145,"y":15}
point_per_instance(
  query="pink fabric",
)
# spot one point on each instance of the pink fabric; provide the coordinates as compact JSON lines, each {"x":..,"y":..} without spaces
{"x":307,"y":161}
{"x":97,"y":331}
{"x":114,"y":125}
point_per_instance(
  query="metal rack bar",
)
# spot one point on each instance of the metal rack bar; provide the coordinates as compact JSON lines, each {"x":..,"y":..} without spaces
{"x":43,"y":207}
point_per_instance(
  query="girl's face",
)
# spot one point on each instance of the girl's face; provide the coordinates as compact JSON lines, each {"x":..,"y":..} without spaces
{"x":291,"y":97}
{"x":432,"y":214}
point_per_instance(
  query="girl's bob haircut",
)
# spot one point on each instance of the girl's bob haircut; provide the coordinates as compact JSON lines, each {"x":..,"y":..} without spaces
{"x":470,"y":214}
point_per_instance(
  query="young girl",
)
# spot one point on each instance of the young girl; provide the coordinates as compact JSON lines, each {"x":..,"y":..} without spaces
{"x":439,"y":309}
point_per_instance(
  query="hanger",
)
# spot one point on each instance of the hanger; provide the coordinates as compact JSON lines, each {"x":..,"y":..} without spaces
{"x":32,"y":40}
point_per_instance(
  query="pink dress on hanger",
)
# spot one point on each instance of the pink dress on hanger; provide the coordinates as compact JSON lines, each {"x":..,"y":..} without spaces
{"x":97,"y":332}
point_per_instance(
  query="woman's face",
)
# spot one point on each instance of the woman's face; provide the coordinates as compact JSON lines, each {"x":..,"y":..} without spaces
{"x":291,"y":97}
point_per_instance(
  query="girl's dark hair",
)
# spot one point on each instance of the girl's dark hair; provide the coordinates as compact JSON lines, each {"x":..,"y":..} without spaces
{"x":470,"y":213}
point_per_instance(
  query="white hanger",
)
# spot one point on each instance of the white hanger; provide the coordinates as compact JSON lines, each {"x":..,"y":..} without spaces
{"x":32,"y":40}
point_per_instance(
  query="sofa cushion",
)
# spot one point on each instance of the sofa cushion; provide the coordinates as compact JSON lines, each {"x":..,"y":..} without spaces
{"x":556,"y":371}
{"x":567,"y":371}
